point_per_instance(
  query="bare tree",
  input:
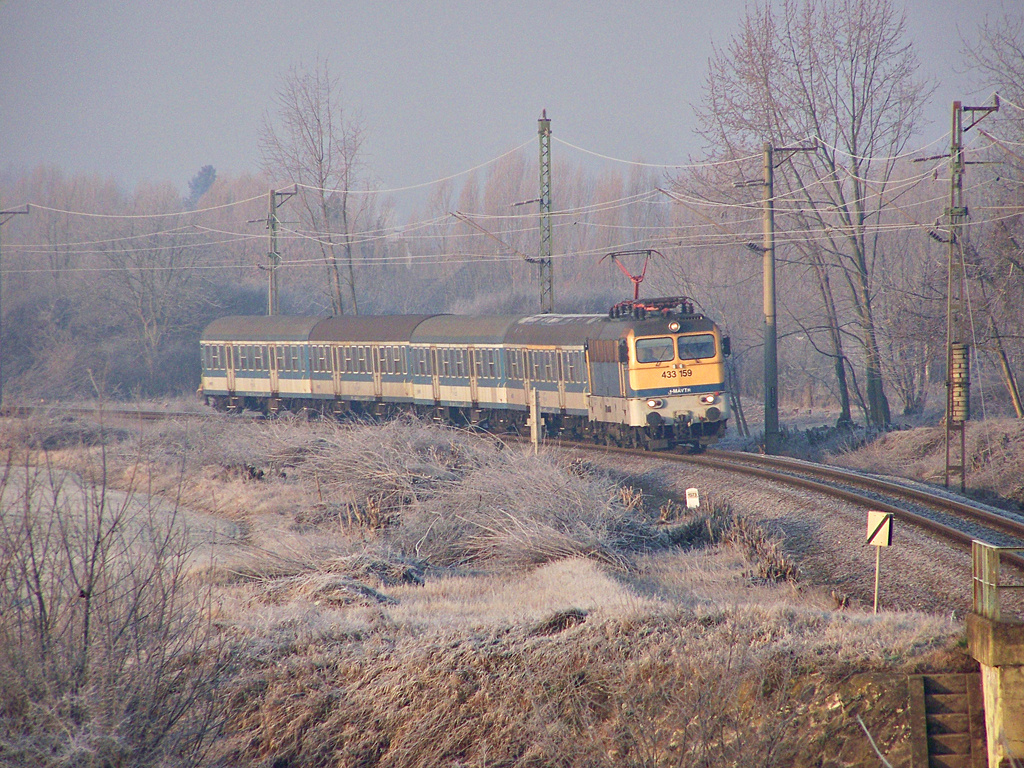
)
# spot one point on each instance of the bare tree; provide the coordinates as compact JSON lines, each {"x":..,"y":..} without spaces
{"x":997,"y":57}
{"x":841,"y":73}
{"x":151,"y":276}
{"x":315,"y":145}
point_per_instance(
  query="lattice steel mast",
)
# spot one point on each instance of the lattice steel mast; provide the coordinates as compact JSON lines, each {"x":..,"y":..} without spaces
{"x":547,"y":287}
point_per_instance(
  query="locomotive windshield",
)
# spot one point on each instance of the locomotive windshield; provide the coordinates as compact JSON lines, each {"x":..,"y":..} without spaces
{"x":698,"y":347}
{"x":656,"y":350}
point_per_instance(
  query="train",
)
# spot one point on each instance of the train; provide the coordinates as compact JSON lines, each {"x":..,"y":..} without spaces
{"x":647,"y":374}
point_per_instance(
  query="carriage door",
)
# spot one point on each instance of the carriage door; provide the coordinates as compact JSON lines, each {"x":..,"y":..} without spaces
{"x":272,"y":368}
{"x":474,"y":385}
{"x":433,"y":374}
{"x":337,"y":357}
{"x":229,"y":362}
{"x":561,"y":366}
{"x":377,"y":388}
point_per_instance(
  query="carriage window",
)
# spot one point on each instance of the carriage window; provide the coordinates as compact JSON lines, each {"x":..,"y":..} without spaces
{"x":243,"y":363}
{"x":696,"y":347}
{"x":549,"y":374}
{"x":278,"y":353}
{"x":570,"y":366}
{"x":460,"y":363}
{"x":657,"y":350}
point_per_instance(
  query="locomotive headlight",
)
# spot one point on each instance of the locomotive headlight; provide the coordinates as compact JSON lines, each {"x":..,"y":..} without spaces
{"x":655,"y":402}
{"x":710,"y":399}
{"x":674,"y":326}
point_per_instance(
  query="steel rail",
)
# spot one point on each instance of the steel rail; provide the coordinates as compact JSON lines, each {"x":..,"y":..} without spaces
{"x":943,"y":503}
{"x":748,"y":464}
{"x":24,"y":411}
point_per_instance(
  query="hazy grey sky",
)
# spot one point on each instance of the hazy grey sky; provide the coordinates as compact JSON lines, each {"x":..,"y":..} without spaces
{"x":153,"y":90}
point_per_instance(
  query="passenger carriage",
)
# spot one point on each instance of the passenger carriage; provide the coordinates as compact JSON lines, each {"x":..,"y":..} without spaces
{"x":650,"y":374}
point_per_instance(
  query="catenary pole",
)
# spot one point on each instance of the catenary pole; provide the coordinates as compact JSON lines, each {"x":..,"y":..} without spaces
{"x":958,"y":378}
{"x":772,"y":433}
{"x":5,"y":216}
{"x":273,"y":258}
{"x":276,"y":199}
{"x":547,"y":286}
{"x":772,"y":436}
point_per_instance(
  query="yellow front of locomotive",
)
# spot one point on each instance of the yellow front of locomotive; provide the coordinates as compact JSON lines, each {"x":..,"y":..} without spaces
{"x":677,"y":377}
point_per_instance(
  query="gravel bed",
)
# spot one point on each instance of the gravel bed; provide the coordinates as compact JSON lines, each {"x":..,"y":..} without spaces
{"x":824,"y":536}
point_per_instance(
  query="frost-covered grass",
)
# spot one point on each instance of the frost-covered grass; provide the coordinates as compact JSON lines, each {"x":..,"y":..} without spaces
{"x":995,"y":452}
{"x":405,"y":594}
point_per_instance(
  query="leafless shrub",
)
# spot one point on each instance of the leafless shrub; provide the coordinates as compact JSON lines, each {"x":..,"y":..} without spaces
{"x":104,"y":652}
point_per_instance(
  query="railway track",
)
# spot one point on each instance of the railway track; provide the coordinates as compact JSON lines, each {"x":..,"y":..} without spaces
{"x":134,"y":414}
{"x":944,"y":515}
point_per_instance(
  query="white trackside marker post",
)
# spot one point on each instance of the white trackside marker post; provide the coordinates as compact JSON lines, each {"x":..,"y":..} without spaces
{"x":692,"y":498}
{"x":879,"y":535}
{"x":536,"y":420}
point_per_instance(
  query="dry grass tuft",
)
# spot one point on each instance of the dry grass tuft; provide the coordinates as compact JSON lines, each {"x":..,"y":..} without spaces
{"x":708,"y":687}
{"x":716,"y":524}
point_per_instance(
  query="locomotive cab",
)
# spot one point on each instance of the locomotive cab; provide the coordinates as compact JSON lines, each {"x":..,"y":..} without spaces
{"x":673,"y":370}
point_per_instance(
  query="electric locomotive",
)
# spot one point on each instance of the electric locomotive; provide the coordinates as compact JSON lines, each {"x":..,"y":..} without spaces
{"x":650,"y":373}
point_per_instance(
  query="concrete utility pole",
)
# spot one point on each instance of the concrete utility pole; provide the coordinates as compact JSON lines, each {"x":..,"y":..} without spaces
{"x":5,"y":216}
{"x":772,"y":433}
{"x":273,"y":257}
{"x":547,"y":283}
